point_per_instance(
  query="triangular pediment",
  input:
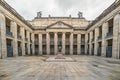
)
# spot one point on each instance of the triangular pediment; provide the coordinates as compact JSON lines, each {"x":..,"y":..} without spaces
{"x":59,"y":25}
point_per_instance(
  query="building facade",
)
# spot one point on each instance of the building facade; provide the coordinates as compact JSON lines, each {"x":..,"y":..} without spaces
{"x":74,"y":35}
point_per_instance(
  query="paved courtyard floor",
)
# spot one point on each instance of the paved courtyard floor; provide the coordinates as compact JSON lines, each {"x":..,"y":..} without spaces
{"x":36,"y":68}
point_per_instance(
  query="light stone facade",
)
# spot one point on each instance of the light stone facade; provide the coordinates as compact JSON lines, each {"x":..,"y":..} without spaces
{"x":44,"y":35}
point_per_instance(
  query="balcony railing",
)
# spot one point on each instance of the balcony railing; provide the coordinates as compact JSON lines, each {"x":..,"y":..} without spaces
{"x":9,"y":51}
{"x":8,"y":33}
{"x":44,"y":42}
{"x":67,"y":42}
{"x":109,"y":51}
{"x":82,"y":42}
{"x":51,"y":42}
{"x":36,"y":42}
{"x":19,"y":37}
{"x":26,"y":39}
{"x":99,"y":51}
{"x":59,"y":42}
{"x":100,"y":37}
{"x":109,"y":34}
{"x":75,"y":42}
{"x":93,"y":39}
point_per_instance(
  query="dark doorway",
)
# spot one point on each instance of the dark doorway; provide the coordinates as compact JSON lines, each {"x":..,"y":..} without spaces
{"x":109,"y":48}
{"x":19,"y":49}
{"x":9,"y":48}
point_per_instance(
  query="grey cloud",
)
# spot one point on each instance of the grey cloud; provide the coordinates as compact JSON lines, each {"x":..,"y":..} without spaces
{"x":90,"y":8}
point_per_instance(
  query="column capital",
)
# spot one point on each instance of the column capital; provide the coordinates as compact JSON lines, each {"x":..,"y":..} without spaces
{"x":13,"y":22}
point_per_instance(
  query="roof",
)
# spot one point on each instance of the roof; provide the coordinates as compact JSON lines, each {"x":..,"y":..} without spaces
{"x":59,"y":22}
{"x":45,"y":27}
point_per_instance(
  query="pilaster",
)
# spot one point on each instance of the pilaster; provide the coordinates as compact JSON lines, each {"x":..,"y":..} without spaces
{"x":116,"y":35}
{"x":104,"y":33}
{"x":91,"y":36}
{"x":78,"y":44}
{"x":22,"y":30}
{"x":71,"y":43}
{"x":13,"y":26}
{"x":86,"y":42}
{"x":48,"y":43}
{"x":63,"y":42}
{"x":3,"y":47}
{"x":28,"y":45}
{"x":40,"y":43}
{"x":96,"y":38}
{"x":56,"y":42}
{"x":33,"y":44}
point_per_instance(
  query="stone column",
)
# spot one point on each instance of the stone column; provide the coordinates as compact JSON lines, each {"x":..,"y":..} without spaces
{"x":33,"y":44}
{"x":48,"y":43}
{"x":13,"y":26}
{"x":86,"y":42}
{"x":71,"y":43}
{"x":56,"y":42}
{"x":22,"y":30}
{"x":78,"y":44}
{"x":116,"y":28}
{"x":40,"y":43}
{"x":91,"y":36}
{"x":96,"y":43}
{"x":104,"y":33}
{"x":3,"y":47}
{"x":28,"y":46}
{"x":63,"y":42}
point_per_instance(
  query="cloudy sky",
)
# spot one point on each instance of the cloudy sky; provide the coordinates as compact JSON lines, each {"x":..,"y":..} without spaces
{"x":90,"y":8}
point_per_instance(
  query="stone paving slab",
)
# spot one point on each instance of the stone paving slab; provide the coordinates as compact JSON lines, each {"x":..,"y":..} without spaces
{"x":36,"y":68}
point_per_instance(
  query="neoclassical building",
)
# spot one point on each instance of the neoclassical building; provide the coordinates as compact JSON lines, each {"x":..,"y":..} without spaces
{"x":74,"y":35}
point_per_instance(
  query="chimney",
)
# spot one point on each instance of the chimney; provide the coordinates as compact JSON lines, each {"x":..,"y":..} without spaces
{"x":49,"y":15}
{"x":39,"y":14}
{"x":70,"y":16}
{"x":80,"y":15}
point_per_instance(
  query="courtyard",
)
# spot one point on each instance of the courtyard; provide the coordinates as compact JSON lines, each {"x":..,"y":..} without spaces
{"x":37,"y":68}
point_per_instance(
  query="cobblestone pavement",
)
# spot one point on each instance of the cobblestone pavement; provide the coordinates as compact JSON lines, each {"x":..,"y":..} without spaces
{"x":83,"y":68}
